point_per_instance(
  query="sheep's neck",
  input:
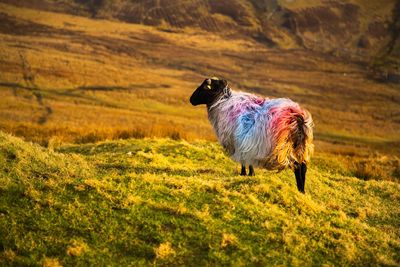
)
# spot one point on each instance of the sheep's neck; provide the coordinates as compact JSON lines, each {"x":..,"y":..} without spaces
{"x":213,"y":111}
{"x":226,"y":93}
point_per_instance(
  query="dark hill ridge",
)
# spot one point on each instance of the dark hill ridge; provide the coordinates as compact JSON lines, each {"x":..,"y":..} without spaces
{"x":366,"y":31}
{"x":338,"y":26}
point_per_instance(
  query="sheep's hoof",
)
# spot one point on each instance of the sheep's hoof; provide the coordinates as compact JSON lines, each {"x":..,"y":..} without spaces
{"x":251,"y":171}
{"x":243,"y":172}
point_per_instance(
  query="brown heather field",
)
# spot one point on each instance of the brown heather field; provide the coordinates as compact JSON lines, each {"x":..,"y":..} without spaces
{"x":67,"y":78}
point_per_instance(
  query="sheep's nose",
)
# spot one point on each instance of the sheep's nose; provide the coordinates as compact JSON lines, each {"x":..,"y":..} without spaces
{"x":193,"y":99}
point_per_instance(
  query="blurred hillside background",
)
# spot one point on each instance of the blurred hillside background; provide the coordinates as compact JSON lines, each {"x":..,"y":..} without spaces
{"x":83,"y":71}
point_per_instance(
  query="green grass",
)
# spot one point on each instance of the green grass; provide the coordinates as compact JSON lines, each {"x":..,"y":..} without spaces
{"x":165,"y":202}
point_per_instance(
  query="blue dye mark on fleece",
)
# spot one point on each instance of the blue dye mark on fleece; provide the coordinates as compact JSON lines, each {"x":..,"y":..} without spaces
{"x":254,"y":115}
{"x":245,"y":124}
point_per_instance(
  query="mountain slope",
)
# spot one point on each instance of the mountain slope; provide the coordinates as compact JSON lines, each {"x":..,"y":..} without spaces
{"x":77,"y":79}
{"x":158,"y":201}
{"x":356,"y":27}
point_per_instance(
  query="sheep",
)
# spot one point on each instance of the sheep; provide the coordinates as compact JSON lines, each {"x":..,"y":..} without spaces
{"x":271,"y":133}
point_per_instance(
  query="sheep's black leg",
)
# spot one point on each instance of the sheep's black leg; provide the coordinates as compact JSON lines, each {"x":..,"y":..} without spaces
{"x":251,"y":171}
{"x":243,"y":172}
{"x":299,"y":180}
{"x":303,"y":174}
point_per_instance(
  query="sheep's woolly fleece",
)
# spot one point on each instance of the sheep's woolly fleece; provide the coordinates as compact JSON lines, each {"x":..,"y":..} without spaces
{"x":272,"y":133}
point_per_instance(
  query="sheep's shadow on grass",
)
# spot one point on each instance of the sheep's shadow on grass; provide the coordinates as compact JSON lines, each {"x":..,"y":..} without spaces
{"x":128,"y":168}
{"x":95,"y":149}
{"x":240,"y":183}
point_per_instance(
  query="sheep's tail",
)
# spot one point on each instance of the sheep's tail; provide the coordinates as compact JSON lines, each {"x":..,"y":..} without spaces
{"x":293,"y":135}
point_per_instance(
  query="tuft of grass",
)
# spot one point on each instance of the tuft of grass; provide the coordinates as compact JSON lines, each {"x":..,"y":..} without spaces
{"x":173,"y":202}
{"x":375,"y":167}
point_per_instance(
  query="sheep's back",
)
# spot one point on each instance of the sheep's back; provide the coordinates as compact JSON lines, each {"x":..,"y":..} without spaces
{"x":255,"y":138}
{"x":255,"y":130}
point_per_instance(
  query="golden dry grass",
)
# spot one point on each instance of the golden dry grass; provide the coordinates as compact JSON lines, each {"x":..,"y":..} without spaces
{"x":75,"y":79}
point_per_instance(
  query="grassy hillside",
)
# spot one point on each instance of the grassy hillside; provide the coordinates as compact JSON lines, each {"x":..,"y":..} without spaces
{"x":165,"y":202}
{"x":82,"y":83}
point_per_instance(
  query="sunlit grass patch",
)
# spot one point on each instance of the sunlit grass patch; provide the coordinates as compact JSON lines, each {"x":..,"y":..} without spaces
{"x":160,"y":201}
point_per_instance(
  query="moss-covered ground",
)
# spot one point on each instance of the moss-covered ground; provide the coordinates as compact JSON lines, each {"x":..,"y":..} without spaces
{"x":165,"y":202}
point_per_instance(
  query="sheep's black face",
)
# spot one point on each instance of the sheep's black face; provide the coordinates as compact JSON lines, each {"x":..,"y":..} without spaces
{"x":208,"y":91}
